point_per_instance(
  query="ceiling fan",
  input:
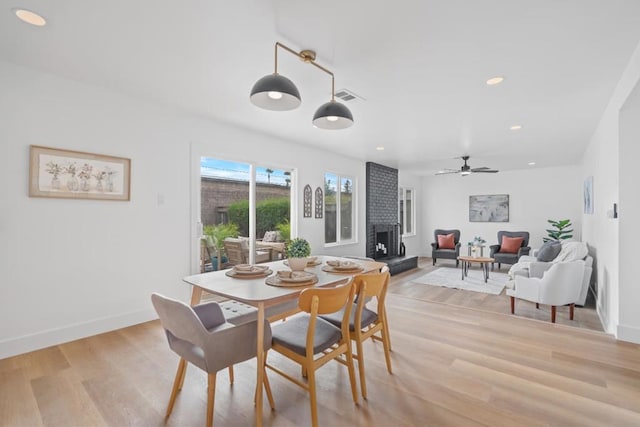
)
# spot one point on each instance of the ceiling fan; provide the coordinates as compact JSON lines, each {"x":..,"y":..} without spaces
{"x":466,"y":169}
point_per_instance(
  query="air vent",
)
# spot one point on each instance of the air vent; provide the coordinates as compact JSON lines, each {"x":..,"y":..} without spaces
{"x":347,"y":95}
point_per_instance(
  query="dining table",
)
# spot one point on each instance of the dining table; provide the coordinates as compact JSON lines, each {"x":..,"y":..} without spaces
{"x":255,"y":291}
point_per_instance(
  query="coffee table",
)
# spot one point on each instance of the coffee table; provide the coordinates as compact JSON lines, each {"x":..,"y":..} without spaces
{"x":483,"y":261}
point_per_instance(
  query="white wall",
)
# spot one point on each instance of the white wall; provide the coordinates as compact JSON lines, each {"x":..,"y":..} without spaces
{"x":73,"y":268}
{"x":535,"y":195}
{"x":629,"y":292}
{"x":603,"y":159}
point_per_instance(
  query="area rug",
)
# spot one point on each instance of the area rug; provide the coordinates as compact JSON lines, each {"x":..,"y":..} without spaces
{"x":451,"y":278}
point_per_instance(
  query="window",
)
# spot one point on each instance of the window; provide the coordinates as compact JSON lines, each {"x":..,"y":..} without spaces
{"x":406,"y":211}
{"x":338,"y":198}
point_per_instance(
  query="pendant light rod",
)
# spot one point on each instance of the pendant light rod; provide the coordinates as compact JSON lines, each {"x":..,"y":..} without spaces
{"x":309,"y":57}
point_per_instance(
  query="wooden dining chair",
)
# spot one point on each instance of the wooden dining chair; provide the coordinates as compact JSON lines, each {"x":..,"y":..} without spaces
{"x":365,"y":323}
{"x":302,"y":337}
{"x":201,"y":335}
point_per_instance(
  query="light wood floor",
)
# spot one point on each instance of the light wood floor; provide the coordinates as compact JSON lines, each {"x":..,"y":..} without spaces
{"x":453,"y":366}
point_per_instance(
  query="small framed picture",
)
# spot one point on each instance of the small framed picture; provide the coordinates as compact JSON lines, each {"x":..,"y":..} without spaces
{"x":70,"y":174}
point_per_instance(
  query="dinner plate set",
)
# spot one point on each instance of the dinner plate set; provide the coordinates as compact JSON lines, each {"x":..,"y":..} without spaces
{"x":288,"y":278}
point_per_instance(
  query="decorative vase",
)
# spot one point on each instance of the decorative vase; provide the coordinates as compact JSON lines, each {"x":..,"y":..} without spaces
{"x":55,"y":183}
{"x":109,"y":186}
{"x":72,"y":184}
{"x":297,"y":264}
{"x":84,"y":184}
{"x":99,"y":186}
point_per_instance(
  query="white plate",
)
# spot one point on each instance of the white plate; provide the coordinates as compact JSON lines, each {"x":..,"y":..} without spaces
{"x":343,"y":265}
{"x":254,"y":269}
{"x":296,"y":276}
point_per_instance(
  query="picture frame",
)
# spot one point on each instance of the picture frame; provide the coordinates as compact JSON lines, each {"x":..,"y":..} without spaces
{"x":307,"y":202}
{"x":60,"y":173}
{"x":319,"y":202}
{"x":489,"y":208}
{"x":588,"y":195}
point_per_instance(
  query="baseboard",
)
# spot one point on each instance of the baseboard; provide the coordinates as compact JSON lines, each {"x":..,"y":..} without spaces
{"x":47,"y":338}
{"x":628,"y":333}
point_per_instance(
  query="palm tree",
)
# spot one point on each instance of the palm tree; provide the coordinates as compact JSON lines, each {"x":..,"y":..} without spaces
{"x":269,"y":172}
{"x":288,"y":178}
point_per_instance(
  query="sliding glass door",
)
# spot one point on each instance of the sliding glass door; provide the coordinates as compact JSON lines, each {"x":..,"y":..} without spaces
{"x":244,"y":210}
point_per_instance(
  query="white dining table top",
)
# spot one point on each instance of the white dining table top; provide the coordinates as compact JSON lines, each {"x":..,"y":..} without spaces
{"x":254,"y":291}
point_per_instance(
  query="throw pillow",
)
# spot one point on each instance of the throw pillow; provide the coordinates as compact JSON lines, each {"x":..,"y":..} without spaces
{"x":510,"y":245}
{"x":446,"y":241}
{"x":549,"y":251}
{"x":270,"y":236}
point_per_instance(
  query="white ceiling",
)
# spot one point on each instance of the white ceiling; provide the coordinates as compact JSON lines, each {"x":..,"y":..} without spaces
{"x":421,"y":65}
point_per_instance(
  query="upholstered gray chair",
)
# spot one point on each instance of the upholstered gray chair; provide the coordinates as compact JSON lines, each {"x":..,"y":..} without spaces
{"x":509,"y":257}
{"x":200,"y":335}
{"x":438,"y":252}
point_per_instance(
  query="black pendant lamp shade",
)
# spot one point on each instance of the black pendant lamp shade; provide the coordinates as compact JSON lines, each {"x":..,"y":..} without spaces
{"x":275,"y":92}
{"x":332,"y":115}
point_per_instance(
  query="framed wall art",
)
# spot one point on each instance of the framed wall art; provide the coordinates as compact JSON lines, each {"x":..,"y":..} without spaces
{"x":588,"y":195}
{"x":489,"y":208}
{"x":319,"y":202}
{"x":70,"y":174}
{"x":308,"y":195}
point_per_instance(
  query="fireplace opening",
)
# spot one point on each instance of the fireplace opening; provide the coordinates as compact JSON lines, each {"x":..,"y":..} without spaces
{"x":386,"y":240}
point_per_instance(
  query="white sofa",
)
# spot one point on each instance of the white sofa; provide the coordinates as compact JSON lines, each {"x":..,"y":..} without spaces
{"x":529,"y":266}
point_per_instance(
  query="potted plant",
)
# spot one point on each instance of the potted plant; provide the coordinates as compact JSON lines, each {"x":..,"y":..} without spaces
{"x":560,"y":232}
{"x":476,"y":247}
{"x":217,"y":234}
{"x":297,"y":251}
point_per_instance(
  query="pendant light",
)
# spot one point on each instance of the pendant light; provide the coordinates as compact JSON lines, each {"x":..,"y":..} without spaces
{"x":277,"y":93}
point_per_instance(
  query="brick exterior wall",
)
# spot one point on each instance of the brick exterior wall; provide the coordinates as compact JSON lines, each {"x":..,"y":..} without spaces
{"x":382,"y":199}
{"x":220,"y":193}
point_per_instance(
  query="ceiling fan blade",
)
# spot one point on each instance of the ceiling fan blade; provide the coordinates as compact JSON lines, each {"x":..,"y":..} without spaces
{"x":447,"y":171}
{"x":483,"y":170}
{"x":477,"y":169}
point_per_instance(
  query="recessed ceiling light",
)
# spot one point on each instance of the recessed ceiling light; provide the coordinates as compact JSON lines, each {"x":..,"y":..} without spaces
{"x":495,"y":80}
{"x":516,"y":127}
{"x":532,"y":163}
{"x":381,"y":148}
{"x":29,"y":17}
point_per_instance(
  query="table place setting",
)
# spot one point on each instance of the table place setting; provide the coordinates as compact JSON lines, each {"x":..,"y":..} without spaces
{"x":312,"y":261}
{"x":248,"y":271}
{"x":342,"y":267}
{"x":292,"y":278}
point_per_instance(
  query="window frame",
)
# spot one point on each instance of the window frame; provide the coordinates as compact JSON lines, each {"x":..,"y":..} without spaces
{"x":354,"y":209}
{"x":402,"y":215}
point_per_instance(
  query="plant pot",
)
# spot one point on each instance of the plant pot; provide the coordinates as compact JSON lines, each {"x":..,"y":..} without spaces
{"x":297,"y":264}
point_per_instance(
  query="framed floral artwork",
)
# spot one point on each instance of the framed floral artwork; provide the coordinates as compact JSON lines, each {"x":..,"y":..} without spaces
{"x":70,"y":174}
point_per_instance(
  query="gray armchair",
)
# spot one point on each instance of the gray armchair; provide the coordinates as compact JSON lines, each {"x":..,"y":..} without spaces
{"x":437,"y":252}
{"x":510,"y":258}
